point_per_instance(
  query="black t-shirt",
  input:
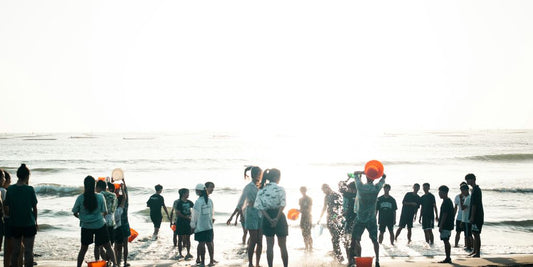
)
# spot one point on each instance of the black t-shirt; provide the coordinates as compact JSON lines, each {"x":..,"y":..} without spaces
{"x":184,"y":207}
{"x":427,"y":201}
{"x":386,"y":206}
{"x":446,"y":207}
{"x":155,"y":202}
{"x":476,"y":199}
{"x":409,"y":210}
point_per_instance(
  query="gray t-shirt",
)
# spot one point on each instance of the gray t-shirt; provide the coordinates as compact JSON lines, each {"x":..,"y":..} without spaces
{"x":249,"y":193}
{"x":90,"y":219}
{"x":365,"y":202}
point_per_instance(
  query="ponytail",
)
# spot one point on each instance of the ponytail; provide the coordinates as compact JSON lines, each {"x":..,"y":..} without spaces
{"x":272,"y":175}
{"x":246,"y":170}
{"x":89,"y":197}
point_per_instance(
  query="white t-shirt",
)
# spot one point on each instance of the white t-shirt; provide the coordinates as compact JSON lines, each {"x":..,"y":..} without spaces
{"x":3,"y":192}
{"x":118,"y":217}
{"x":202,"y":215}
{"x":466,"y":211}
{"x":457,"y":203}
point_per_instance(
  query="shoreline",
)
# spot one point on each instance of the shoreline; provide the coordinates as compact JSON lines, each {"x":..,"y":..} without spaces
{"x":419,"y":261}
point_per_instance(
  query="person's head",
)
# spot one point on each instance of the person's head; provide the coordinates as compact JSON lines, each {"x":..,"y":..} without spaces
{"x":23,"y":173}
{"x":386,"y":189}
{"x":110,"y":187}
{"x":465,"y":190}
{"x":326,"y":189}
{"x":255,"y":172}
{"x":100,"y":186}
{"x":89,"y":197}
{"x":303,"y":190}
{"x":416,"y":187}
{"x":184,"y":193}
{"x":470,"y":179}
{"x":272,"y":175}
{"x":158,"y":188}
{"x":443,"y":191}
{"x":7,"y":180}
{"x":209,"y":187}
{"x":201,"y":191}
{"x":425,"y":187}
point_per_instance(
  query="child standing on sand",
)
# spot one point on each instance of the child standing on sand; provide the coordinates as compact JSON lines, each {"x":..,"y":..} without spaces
{"x":182,"y":207}
{"x":306,"y":204}
{"x":155,"y":202}
{"x":446,"y":221}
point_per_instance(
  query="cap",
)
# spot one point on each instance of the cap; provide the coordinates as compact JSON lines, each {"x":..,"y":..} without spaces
{"x":200,"y":187}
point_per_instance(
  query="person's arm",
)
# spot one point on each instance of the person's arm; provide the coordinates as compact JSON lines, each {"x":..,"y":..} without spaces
{"x":35,"y":209}
{"x":323,"y":210}
{"x":172,"y":215}
{"x":235,"y":212}
{"x":166,"y":211}
{"x":436,"y":211}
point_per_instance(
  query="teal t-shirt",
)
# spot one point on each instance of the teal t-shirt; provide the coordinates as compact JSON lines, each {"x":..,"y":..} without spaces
{"x":90,"y":219}
{"x":21,"y":199}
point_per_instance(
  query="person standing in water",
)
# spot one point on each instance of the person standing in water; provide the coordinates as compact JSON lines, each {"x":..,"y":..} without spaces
{"x":182,"y":208}
{"x":476,"y":213}
{"x":111,"y":203}
{"x":155,"y":202}
{"x":349,"y":193}
{"x":410,"y":203}
{"x":386,"y":208}
{"x":428,"y":205}
{"x":335,"y":220}
{"x":202,"y":224}
{"x":252,"y":216}
{"x":365,"y":204}
{"x":459,"y":226}
{"x":90,"y":208}
{"x":271,"y":200}
{"x":446,"y":221}
{"x":306,"y":205}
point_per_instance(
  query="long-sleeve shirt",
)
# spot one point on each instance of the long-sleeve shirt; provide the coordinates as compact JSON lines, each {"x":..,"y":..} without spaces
{"x":202,"y":215}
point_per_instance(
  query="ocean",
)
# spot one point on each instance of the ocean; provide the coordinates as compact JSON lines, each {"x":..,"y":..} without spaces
{"x":501,"y":159}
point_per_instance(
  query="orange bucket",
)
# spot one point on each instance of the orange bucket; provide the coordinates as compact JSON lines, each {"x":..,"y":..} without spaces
{"x":101,"y":179}
{"x":173,"y":227}
{"x":374,"y":169}
{"x":363,"y":261}
{"x":97,"y":264}
{"x":293,"y":214}
{"x":133,"y":235}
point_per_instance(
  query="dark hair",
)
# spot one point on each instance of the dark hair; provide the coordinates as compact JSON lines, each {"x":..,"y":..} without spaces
{"x":470,"y":176}
{"x":386,"y":186}
{"x":23,"y":172}
{"x":444,"y":189}
{"x":254,"y":171}
{"x":462,"y":183}
{"x":111,"y":187}
{"x":89,"y":197}
{"x":417,"y":185}
{"x":203,"y":193}
{"x":183,"y":191}
{"x":272,"y":175}
{"x":209,"y":184}
{"x":7,"y":178}
{"x":158,"y":187}
{"x":426,"y":184}
{"x":101,"y":185}
{"x":119,"y":199}
{"x":464,"y":187}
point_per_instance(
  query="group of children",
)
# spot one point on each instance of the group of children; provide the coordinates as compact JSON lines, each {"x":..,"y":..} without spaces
{"x":197,"y":218}
{"x":342,"y":216}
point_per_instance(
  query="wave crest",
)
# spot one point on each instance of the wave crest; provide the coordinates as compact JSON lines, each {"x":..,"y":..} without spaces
{"x":503,"y":157}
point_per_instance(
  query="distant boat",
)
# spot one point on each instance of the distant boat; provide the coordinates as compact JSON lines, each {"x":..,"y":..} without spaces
{"x":138,"y":138}
{"x":39,"y":139}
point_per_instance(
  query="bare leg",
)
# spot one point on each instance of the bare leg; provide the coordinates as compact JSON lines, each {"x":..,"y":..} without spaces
{"x":397,"y":234}
{"x":180,"y":244}
{"x":16,"y":251}
{"x":408,"y":235}
{"x":211,"y":250}
{"x":457,"y":237}
{"x":431,"y":238}
{"x":118,"y":252}
{"x":391,"y":234}
{"x":201,"y":252}
{"x":126,"y":251}
{"x":28,"y":250}
{"x":381,"y":237}
{"x":282,"y":243}
{"x":81,"y":254}
{"x":8,"y":250}
{"x":376,"y":250}
{"x":270,"y":250}
{"x":357,"y":248}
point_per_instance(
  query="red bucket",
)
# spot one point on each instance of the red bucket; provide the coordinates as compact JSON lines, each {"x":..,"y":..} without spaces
{"x":363,"y":261}
{"x":97,"y":264}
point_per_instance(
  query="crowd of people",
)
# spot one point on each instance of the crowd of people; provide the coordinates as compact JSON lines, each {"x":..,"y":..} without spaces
{"x":102,"y":210}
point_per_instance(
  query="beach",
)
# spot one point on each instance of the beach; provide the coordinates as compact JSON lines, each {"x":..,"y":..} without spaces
{"x":59,"y":162}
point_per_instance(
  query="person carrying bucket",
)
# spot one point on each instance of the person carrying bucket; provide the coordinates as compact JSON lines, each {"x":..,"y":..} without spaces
{"x":365,"y":207}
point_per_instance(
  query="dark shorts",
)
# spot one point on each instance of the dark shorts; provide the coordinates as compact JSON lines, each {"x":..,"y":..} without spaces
{"x":204,"y":236}
{"x":359,"y":227}
{"x":281,"y":229}
{"x":156,"y":220}
{"x":98,"y":236}
{"x":110,"y":234}
{"x":476,"y":227}
{"x":406,"y":220}
{"x":389,"y":226}
{"x":428,"y":222}
{"x":7,"y":229}
{"x":445,"y":235}
{"x":121,"y":233}
{"x":459,"y":226}
{"x":18,"y":232}
{"x":183,"y":227}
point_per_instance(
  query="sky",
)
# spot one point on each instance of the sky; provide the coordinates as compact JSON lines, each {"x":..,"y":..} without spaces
{"x":301,"y":66}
